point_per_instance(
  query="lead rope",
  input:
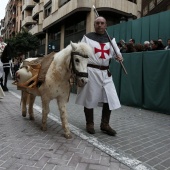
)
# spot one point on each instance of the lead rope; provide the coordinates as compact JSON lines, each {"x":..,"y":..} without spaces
{"x":71,"y":82}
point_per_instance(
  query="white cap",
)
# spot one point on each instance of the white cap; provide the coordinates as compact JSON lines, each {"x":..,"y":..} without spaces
{"x":146,"y":42}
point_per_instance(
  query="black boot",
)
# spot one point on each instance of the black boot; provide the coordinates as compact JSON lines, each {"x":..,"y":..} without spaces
{"x":89,"y":120}
{"x":105,"y":121}
{"x":5,"y":88}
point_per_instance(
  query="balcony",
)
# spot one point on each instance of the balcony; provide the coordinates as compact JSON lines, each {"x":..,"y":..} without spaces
{"x":74,"y":6}
{"x":13,"y":16}
{"x":12,"y":30}
{"x":36,"y":10}
{"x":11,"y":3}
{"x":37,"y":29}
{"x":120,"y":6}
{"x":28,"y":21}
{"x":29,"y":4}
{"x":46,"y":2}
{"x":69,"y":7}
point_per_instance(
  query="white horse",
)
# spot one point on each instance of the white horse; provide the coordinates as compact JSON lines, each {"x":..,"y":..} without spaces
{"x":71,"y":61}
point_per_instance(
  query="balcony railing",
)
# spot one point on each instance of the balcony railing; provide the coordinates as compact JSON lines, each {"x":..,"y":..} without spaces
{"x":28,"y":4}
{"x":35,"y":10}
{"x":28,"y":21}
{"x":36,"y":29}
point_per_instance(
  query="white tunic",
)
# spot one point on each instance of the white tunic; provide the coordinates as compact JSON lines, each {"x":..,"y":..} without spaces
{"x":100,"y":87}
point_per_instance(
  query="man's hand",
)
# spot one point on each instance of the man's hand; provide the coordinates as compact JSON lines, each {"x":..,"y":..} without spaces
{"x":119,"y":58}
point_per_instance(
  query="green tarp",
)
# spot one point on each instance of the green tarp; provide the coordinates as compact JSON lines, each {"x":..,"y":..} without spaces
{"x":131,"y":84}
{"x":147,"y":84}
{"x":156,"y":80}
{"x":144,"y":29}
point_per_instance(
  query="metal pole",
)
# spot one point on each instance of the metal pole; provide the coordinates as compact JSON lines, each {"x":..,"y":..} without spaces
{"x":110,"y":41}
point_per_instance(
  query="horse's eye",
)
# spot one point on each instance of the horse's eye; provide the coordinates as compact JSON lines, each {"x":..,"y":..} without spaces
{"x":77,"y":60}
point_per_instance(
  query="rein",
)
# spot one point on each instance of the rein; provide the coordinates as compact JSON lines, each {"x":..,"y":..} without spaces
{"x":77,"y":73}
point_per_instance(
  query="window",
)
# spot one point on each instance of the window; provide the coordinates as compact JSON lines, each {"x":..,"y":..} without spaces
{"x":57,"y":35}
{"x":151,"y":5}
{"x":158,"y":1}
{"x":54,"y":36}
{"x":145,"y":10}
{"x":62,"y":2}
{"x":75,"y":28}
{"x":134,"y":1}
{"x":47,"y":10}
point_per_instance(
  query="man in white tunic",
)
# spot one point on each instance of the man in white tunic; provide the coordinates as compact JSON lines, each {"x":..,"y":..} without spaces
{"x":100,"y":87}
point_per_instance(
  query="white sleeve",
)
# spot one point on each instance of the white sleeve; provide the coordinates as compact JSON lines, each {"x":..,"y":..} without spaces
{"x":116,"y":50}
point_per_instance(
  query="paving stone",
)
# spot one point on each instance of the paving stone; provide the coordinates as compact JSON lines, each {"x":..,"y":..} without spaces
{"x":164,"y":156}
{"x":159,"y":167}
{"x":48,"y":166}
{"x":29,"y":168}
{"x":41,"y":163}
{"x":74,"y":161}
{"x":57,"y":161}
{"x":154,"y":161}
{"x":98,"y":167}
{"x":37,"y":149}
{"x":166,"y":163}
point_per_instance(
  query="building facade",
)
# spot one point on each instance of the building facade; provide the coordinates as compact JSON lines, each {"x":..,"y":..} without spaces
{"x":12,"y":20}
{"x":56,"y":22}
{"x":150,"y":7}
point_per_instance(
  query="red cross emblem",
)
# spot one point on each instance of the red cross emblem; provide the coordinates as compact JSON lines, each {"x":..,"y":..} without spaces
{"x":96,"y":50}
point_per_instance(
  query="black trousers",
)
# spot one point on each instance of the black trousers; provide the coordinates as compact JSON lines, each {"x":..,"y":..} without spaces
{"x":6,"y":71}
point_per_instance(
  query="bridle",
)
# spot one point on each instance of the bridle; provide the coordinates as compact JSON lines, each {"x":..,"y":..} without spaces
{"x":77,"y":73}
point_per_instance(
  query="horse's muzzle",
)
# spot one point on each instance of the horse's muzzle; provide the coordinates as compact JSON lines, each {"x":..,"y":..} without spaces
{"x":81,"y":82}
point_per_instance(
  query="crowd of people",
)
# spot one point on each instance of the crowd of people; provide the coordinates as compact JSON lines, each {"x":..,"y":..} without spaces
{"x":131,"y":46}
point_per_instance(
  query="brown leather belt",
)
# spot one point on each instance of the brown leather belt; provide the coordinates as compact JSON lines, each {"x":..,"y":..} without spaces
{"x":98,"y":67}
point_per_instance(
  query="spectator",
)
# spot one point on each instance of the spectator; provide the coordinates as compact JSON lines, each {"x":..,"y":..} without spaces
{"x":168,"y":46}
{"x":139,"y":47}
{"x":130,"y":48}
{"x":147,"y":46}
{"x":122,"y":46}
{"x":132,"y":41}
{"x":156,"y":45}
{"x":161,"y":42}
{"x":151,"y":42}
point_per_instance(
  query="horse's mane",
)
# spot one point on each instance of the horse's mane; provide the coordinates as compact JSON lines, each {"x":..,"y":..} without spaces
{"x":6,"y":54}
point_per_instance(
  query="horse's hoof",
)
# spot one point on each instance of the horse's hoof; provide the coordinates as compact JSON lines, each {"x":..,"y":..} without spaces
{"x":24,"y":113}
{"x":67,"y":136}
{"x":43,"y":128}
{"x":32,"y":118}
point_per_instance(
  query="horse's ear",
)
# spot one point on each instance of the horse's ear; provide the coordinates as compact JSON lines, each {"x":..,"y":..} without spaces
{"x":73,"y":45}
